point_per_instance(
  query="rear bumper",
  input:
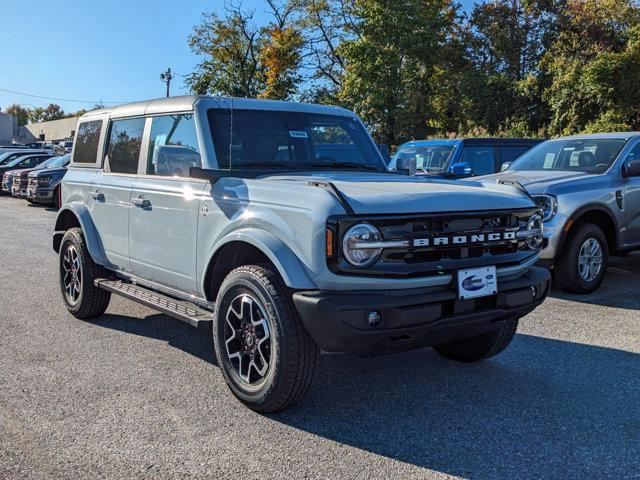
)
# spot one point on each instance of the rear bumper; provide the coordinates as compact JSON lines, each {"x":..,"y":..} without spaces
{"x":414,"y":318}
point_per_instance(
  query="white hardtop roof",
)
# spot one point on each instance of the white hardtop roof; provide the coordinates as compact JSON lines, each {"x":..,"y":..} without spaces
{"x":186,"y":103}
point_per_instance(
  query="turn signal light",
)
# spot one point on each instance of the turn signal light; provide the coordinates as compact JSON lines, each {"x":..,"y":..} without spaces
{"x":329,"y":242}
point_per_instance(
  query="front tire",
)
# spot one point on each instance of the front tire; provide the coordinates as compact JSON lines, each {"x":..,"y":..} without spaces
{"x":77,"y":273}
{"x":481,"y":346}
{"x":581,"y":266}
{"x":267,"y":357}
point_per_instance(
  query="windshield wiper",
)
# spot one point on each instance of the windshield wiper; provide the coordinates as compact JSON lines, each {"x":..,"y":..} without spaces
{"x":345,"y":165}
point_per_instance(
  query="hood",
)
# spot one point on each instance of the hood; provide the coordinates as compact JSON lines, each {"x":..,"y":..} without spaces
{"x":374,"y":193}
{"x":15,"y":171}
{"x":535,"y":181}
{"x":23,"y":172}
{"x":47,"y":171}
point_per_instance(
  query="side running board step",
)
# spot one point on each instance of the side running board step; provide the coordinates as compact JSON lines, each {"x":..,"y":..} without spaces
{"x":184,"y":311}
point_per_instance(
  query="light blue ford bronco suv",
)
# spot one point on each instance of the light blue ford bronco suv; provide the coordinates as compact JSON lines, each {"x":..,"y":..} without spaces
{"x":277,"y":226}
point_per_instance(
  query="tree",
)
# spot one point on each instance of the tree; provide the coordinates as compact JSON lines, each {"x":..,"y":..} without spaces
{"x":20,"y":112}
{"x":391,"y":61}
{"x":51,"y":112}
{"x":593,"y":67}
{"x":231,"y":47}
{"x":281,"y":53}
{"x":327,"y":24}
{"x":506,"y":40}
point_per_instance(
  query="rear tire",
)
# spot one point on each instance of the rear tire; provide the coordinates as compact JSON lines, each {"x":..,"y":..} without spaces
{"x":569,"y":274}
{"x":481,"y":346}
{"x":77,"y":273}
{"x":267,"y":357}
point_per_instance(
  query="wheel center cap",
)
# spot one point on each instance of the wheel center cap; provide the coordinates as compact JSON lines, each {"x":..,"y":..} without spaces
{"x":248,"y":340}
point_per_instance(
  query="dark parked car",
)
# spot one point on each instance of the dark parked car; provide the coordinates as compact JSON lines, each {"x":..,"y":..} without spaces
{"x":20,"y":178}
{"x":460,"y":157}
{"x":21,"y":163}
{"x":9,"y":155}
{"x":43,"y":185}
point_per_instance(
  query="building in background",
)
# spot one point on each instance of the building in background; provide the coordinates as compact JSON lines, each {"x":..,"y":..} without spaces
{"x":8,"y":128}
{"x":50,"y":132}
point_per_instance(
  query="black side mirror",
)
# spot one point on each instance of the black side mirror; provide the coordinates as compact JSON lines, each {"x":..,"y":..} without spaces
{"x":407,"y":165}
{"x":631,"y":169}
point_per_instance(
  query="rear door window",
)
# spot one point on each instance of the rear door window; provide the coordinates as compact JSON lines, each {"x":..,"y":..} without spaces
{"x":86,"y":150}
{"x":179,"y":133}
{"x":481,"y":159}
{"x":125,"y":141}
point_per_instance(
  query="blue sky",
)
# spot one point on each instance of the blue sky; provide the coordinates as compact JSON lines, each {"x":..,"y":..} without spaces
{"x":109,"y":51}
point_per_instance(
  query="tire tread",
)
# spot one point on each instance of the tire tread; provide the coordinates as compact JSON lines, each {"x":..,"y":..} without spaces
{"x":302,"y":354}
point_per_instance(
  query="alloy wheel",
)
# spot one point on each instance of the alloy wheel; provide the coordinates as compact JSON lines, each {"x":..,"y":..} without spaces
{"x":248,"y":339}
{"x":71,"y":274}
{"x":590,"y":260}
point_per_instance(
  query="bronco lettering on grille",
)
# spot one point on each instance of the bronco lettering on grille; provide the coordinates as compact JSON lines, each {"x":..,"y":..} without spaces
{"x":442,"y":240}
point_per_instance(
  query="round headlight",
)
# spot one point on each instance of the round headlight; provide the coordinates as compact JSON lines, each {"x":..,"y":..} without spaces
{"x":361,"y":245}
{"x":535,"y":227}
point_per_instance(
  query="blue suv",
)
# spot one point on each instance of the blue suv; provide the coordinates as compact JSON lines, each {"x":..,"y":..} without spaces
{"x":461,"y":157}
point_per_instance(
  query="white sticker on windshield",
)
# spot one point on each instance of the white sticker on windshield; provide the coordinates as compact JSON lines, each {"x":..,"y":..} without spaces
{"x":298,"y":134}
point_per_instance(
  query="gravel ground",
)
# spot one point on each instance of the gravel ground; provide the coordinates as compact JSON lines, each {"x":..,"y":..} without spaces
{"x":137,"y":394}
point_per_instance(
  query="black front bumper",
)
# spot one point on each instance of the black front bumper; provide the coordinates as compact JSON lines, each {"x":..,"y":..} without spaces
{"x":414,"y":318}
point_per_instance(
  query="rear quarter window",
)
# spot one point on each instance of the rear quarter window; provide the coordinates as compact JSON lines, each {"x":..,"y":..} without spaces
{"x":511,"y":152}
{"x":86,"y":148}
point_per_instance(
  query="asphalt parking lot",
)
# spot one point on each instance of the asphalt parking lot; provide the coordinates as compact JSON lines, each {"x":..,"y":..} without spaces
{"x":136,"y":394}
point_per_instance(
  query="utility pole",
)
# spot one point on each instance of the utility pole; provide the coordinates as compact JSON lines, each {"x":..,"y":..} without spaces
{"x":166,"y":78}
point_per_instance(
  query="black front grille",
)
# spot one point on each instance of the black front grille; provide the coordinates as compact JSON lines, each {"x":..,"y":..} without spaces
{"x":20,"y":182}
{"x":420,"y":259}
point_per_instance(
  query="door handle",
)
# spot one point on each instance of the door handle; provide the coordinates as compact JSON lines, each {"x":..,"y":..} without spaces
{"x":98,"y":196}
{"x":141,"y":202}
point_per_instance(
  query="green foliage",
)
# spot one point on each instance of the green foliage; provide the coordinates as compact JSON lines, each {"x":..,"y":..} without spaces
{"x":52,"y":112}
{"x":20,"y":112}
{"x":594,"y":66}
{"x":246,"y":60}
{"x":391,"y":63}
{"x":231,"y":47}
{"x":423,"y":68}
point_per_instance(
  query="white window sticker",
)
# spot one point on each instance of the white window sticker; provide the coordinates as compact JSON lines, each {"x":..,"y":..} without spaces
{"x":298,"y":134}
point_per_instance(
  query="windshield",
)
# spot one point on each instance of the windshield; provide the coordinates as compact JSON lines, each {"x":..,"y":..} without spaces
{"x":429,"y":158}
{"x":588,"y":155}
{"x":57,"y":162}
{"x":6,"y":158}
{"x":292,"y":140}
{"x":13,"y":162}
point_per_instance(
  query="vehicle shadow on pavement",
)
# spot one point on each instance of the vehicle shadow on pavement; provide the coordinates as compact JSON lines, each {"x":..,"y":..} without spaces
{"x":619,"y":289}
{"x":161,"y":327}
{"x":544,"y":409}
